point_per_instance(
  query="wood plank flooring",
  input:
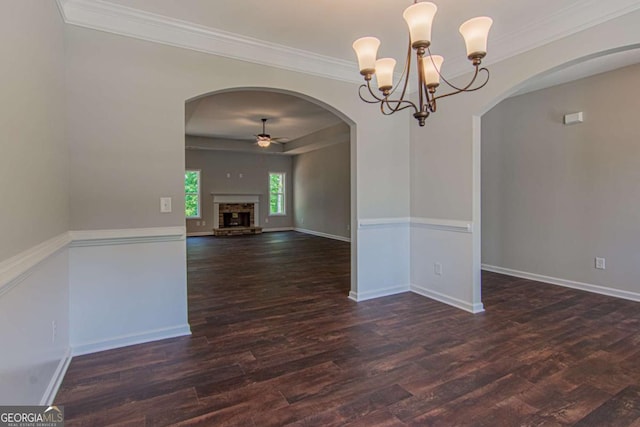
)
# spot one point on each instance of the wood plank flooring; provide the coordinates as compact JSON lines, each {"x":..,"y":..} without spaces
{"x":276,"y":342}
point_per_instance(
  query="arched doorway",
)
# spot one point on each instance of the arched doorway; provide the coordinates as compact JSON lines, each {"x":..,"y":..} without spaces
{"x":305,"y":123}
{"x":567,"y":275}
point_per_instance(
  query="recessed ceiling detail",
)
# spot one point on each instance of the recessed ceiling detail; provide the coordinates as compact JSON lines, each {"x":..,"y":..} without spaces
{"x":237,"y":115}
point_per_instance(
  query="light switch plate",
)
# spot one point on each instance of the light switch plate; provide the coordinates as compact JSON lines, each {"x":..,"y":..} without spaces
{"x":165,"y":204}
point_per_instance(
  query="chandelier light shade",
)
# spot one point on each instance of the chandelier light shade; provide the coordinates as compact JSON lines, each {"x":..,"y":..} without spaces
{"x":419,"y":19}
{"x":475,"y":32}
{"x":384,"y":72}
{"x":367,"y":49}
{"x":432,"y":67}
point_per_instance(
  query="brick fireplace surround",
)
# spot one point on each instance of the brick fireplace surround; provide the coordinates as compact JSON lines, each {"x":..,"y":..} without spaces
{"x":236,"y":209}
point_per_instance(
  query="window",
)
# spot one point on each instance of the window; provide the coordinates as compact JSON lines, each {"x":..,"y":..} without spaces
{"x":192,"y":193}
{"x":276,"y":193}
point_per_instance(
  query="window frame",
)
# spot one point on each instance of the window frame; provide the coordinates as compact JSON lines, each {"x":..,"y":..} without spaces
{"x":199,"y":216}
{"x":283,"y":192}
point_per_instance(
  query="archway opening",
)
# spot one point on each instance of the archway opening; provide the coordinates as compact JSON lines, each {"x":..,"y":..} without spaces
{"x":542,"y":180}
{"x":313,"y":152}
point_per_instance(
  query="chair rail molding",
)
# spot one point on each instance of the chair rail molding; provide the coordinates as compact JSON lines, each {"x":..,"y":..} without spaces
{"x":443,"y":224}
{"x":17,"y":268}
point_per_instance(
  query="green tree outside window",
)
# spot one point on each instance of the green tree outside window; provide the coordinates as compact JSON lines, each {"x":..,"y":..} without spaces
{"x":192,"y":193}
{"x":276,"y":193}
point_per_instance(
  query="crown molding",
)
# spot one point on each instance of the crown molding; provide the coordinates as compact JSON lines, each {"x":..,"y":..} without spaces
{"x":126,"y":21}
{"x":117,"y":19}
{"x":563,"y":23}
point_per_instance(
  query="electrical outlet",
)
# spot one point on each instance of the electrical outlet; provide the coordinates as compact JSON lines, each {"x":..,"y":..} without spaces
{"x":54,"y":331}
{"x":204,"y":223}
{"x":266,"y":220}
{"x":600,"y":263}
{"x":437,"y":268}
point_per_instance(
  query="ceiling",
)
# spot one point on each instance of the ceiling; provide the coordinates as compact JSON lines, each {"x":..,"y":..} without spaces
{"x":316,"y":37}
{"x":328,"y":27}
{"x":237,"y":115}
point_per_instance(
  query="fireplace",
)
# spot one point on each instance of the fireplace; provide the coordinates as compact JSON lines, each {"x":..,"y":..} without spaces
{"x":235,"y":215}
{"x":236,"y":219}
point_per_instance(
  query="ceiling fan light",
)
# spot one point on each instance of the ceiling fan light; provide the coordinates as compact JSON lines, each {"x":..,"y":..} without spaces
{"x":475,"y":32}
{"x":263,"y":141}
{"x":419,"y":17}
{"x":366,"y":50}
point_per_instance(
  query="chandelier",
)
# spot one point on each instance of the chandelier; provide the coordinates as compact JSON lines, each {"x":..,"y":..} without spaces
{"x":419,"y":18}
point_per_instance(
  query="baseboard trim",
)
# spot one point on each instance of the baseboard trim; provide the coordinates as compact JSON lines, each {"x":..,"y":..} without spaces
{"x":320,"y":234}
{"x":132,"y":339}
{"x":126,"y":236}
{"x":275,"y":229}
{"x":200,"y":234}
{"x":602,"y":290}
{"x":17,"y":268}
{"x":364,"y":296}
{"x":446,"y":299}
{"x":56,"y":381}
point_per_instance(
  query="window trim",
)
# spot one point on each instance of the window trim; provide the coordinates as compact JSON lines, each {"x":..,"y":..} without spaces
{"x":284,"y":193}
{"x":199,"y":216}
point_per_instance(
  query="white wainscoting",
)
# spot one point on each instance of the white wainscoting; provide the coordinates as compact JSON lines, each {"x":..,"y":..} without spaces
{"x":102,"y":288}
{"x":448,"y":243}
{"x":603,"y":290}
{"x":127,"y":287}
{"x":34,"y":293}
{"x":383,"y":257}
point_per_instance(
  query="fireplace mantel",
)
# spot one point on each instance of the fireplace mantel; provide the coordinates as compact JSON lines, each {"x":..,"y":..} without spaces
{"x":235,"y":198}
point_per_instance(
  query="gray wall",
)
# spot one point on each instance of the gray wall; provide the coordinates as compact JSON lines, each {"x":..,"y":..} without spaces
{"x":127,"y":105}
{"x":34,"y":198}
{"x":556,"y":196}
{"x":34,"y":159}
{"x":254,"y":168}
{"x":321,"y":190}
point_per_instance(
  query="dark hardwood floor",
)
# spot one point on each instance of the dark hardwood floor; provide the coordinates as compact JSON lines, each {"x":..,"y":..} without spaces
{"x":276,"y":342}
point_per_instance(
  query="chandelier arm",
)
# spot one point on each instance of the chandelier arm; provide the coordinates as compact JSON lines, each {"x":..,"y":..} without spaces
{"x":466,"y":88}
{"x":368,"y":86}
{"x":430,"y":104}
{"x":391,"y":110}
{"x":405,"y":73}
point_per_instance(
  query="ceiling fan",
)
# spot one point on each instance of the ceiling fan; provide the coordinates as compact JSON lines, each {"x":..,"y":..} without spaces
{"x":264,"y":139}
